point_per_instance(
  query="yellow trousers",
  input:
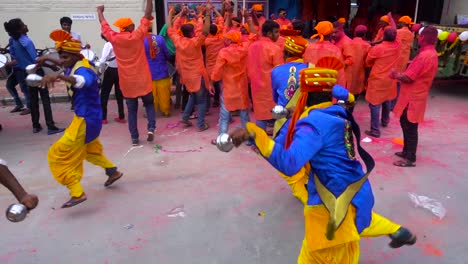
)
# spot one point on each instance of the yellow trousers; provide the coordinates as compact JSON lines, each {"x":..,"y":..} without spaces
{"x":344,"y":248}
{"x":66,"y":156}
{"x":162,"y":95}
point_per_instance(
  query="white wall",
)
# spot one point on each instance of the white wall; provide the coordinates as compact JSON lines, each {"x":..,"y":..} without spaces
{"x":451,"y":9}
{"x":42,"y":16}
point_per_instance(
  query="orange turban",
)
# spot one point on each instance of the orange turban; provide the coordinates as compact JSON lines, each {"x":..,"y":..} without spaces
{"x":295,"y":45}
{"x":342,"y":20}
{"x":234,"y":36}
{"x":406,"y":20}
{"x":385,"y":19}
{"x":257,"y":7}
{"x":65,"y":42}
{"x":323,"y":28}
{"x":320,"y":79}
{"x":123,"y":22}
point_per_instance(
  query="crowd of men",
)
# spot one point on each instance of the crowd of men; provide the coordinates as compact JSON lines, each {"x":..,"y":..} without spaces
{"x":247,"y":63}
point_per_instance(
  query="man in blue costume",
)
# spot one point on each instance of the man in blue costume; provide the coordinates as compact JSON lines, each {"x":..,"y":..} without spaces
{"x":319,"y":141}
{"x":80,"y":140}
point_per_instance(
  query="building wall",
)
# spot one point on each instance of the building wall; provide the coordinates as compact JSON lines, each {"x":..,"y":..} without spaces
{"x":42,"y":16}
{"x":453,"y":8}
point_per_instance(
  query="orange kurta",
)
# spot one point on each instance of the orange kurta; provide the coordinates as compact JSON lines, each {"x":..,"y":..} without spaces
{"x":231,"y":69}
{"x":284,"y":23}
{"x":134,"y":73}
{"x":189,"y":60}
{"x":263,"y":56}
{"x":317,"y":50}
{"x":348,"y":53}
{"x":280,"y":43}
{"x":356,"y":70}
{"x":213,"y":45}
{"x":382,"y":58}
{"x":422,"y":71}
{"x":405,"y":37}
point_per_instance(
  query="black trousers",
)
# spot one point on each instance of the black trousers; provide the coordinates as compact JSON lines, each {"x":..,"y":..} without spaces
{"x":111,"y":78}
{"x":35,"y":113}
{"x":410,"y":136}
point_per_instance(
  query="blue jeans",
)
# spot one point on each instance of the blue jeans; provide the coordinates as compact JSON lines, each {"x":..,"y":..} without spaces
{"x":132,"y":108}
{"x":375,"y":116}
{"x":19,"y":77}
{"x":225,"y":116}
{"x":262,"y":124}
{"x":198,"y":98}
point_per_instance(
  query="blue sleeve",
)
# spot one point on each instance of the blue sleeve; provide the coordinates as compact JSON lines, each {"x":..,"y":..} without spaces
{"x":306,"y":144}
{"x":162,"y":45}
{"x":12,"y":49}
{"x":89,"y":76}
{"x":29,"y":46}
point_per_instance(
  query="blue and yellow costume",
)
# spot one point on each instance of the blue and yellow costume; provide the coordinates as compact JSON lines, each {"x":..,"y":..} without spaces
{"x":339,"y":199}
{"x":80,"y":140}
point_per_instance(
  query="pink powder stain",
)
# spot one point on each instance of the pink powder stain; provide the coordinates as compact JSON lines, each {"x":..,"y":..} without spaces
{"x":9,"y":256}
{"x":134,"y":248}
{"x":429,"y":250}
{"x":33,"y":251}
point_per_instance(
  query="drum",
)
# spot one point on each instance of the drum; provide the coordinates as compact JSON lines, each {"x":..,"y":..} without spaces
{"x":5,"y":71}
{"x":89,"y":55}
{"x":52,"y":53}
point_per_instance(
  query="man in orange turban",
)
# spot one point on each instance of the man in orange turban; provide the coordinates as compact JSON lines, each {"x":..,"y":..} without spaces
{"x":323,"y":47}
{"x":80,"y":141}
{"x":385,"y":22}
{"x":134,"y":73}
{"x":258,"y":19}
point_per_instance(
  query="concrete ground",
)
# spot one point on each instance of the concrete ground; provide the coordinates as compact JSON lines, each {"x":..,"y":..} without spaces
{"x":191,"y":203}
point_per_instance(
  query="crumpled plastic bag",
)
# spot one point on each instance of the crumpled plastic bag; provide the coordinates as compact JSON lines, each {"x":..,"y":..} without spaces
{"x":432,"y":205}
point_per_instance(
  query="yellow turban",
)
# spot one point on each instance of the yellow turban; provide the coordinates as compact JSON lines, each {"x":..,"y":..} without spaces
{"x":295,"y":45}
{"x":257,"y":7}
{"x":123,"y":22}
{"x":65,"y":42}
{"x":323,"y":28}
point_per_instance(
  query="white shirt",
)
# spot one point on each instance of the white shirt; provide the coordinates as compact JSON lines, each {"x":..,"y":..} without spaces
{"x":76,"y":35}
{"x":108,"y":56}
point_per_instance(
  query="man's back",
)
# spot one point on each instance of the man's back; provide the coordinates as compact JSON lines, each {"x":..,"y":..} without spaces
{"x":405,"y":37}
{"x":360,"y":49}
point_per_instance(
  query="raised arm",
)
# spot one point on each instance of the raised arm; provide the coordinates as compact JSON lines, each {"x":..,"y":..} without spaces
{"x":206,"y":25}
{"x":149,"y":9}
{"x":100,"y":11}
{"x":248,"y":19}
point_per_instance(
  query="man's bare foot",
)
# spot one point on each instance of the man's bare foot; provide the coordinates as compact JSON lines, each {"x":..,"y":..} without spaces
{"x":115,"y":176}
{"x":74,"y":201}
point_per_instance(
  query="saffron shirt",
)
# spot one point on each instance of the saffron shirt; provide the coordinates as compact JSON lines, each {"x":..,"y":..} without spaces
{"x":382,"y":58}
{"x":134,"y":73}
{"x":264,"y":55}
{"x":422,"y":71}
{"x":356,"y":71}
{"x":406,"y":38}
{"x":344,"y":45}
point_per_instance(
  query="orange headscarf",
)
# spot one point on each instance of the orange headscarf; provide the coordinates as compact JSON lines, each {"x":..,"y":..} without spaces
{"x":385,"y":19}
{"x":234,"y":36}
{"x":122,"y":23}
{"x":342,"y":20}
{"x":65,"y":42}
{"x":323,"y":28}
{"x":312,"y":80}
{"x":406,"y":20}
{"x":257,"y":7}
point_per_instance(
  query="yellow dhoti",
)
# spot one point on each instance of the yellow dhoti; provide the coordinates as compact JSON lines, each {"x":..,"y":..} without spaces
{"x":66,"y":156}
{"x":344,"y":248}
{"x":162,"y":95}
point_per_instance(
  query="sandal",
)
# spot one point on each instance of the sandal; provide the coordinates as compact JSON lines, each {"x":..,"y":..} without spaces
{"x":402,"y":237}
{"x":404,"y":163}
{"x":75,"y":201}
{"x":117,"y":175}
{"x":205,"y":127}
